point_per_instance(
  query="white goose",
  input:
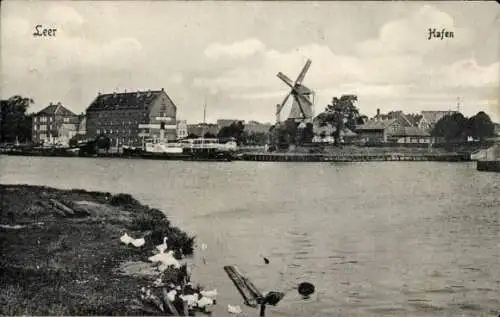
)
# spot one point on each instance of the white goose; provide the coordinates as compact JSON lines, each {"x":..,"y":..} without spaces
{"x":209,"y":294}
{"x":233,"y":309}
{"x":162,"y":247}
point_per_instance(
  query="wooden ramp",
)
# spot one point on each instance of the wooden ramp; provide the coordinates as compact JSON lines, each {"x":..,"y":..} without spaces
{"x":251,"y":295}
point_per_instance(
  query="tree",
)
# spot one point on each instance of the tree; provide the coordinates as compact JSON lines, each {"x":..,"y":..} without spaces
{"x":257,"y":138}
{"x":209,"y":135}
{"x":15,"y":124}
{"x":480,"y":126}
{"x":451,"y":127}
{"x":235,"y":130}
{"x":341,"y":113}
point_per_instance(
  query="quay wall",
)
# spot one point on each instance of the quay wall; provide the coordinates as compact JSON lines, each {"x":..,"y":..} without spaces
{"x":488,"y":166}
{"x":295,"y":157}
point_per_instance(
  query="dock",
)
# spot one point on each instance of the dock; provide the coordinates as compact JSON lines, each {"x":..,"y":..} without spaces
{"x":488,"y":160}
{"x":306,"y":157}
{"x":488,"y":166}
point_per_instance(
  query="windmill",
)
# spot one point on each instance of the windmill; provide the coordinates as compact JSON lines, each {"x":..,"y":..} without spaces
{"x":302,"y":105}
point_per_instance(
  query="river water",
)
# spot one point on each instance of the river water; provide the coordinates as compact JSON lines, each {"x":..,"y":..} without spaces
{"x":376,"y":239}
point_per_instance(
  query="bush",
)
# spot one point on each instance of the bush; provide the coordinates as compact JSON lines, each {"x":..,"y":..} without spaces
{"x":123,"y":200}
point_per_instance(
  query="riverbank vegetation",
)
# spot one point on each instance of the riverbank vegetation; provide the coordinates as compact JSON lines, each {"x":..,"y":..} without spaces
{"x":62,"y":254}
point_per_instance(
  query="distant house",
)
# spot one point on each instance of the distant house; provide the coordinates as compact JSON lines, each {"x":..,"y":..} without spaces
{"x":399,"y":115}
{"x":378,"y":131}
{"x":430,"y":118}
{"x":326,"y":134}
{"x":182,"y":129}
{"x":412,"y":135}
{"x":130,"y":117}
{"x":82,"y":125}
{"x":54,"y":124}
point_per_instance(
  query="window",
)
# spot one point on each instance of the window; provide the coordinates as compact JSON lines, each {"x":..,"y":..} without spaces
{"x":98,"y":131}
{"x":66,"y":120}
{"x":43,"y":119}
{"x":43,"y":127}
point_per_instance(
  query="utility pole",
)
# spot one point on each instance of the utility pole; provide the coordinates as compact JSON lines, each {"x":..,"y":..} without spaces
{"x":459,"y":102}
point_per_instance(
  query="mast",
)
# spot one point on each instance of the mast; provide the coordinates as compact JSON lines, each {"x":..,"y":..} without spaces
{"x":204,"y":118}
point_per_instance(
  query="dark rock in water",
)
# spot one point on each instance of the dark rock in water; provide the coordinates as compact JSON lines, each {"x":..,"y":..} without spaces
{"x":266,"y":260}
{"x":306,"y":289}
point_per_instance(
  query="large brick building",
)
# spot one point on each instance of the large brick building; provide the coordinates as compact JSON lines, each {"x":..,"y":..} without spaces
{"x":130,"y":117}
{"x":54,"y":124}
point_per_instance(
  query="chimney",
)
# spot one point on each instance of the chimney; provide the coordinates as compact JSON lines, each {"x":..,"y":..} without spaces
{"x":162,"y":89}
{"x":378,"y":114}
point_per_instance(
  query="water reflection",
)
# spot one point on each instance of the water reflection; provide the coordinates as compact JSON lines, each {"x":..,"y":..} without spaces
{"x":376,"y":239}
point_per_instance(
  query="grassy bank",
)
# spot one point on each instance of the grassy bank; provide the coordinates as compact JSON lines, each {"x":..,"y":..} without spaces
{"x":62,"y":255}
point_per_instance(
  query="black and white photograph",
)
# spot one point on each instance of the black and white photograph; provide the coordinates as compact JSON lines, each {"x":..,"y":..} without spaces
{"x":250,"y":158}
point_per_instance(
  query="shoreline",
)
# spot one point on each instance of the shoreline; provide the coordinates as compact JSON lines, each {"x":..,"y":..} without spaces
{"x":63,"y":255}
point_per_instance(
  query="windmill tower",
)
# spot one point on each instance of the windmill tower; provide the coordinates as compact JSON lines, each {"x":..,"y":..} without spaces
{"x":302,"y":104}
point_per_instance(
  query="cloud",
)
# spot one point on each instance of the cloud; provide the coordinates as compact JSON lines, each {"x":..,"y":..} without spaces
{"x":409,"y":35}
{"x":241,"y":49}
{"x":469,"y":74}
{"x":69,"y":51}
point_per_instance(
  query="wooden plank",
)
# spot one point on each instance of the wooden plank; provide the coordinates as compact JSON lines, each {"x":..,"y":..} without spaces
{"x":251,"y":295}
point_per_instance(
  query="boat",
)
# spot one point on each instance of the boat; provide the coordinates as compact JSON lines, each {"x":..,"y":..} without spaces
{"x":210,"y":149}
{"x":198,"y":149}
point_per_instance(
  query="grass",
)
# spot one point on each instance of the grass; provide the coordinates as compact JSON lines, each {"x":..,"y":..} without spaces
{"x":69,"y":264}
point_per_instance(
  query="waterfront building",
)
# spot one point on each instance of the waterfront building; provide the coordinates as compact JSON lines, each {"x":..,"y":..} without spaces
{"x":430,"y":118}
{"x":378,"y":131}
{"x":412,"y":135}
{"x":182,"y":129}
{"x":54,"y":125}
{"x":128,"y":118}
{"x":82,"y":124}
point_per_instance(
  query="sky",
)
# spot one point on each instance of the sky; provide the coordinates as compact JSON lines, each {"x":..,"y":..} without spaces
{"x":228,"y":53}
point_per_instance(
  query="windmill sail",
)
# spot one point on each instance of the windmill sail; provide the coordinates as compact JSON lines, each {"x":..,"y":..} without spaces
{"x":302,"y":105}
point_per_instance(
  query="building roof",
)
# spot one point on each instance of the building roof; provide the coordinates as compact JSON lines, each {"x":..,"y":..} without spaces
{"x":434,"y":116}
{"x":55,"y":109}
{"x":126,"y":100}
{"x":376,"y":124}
